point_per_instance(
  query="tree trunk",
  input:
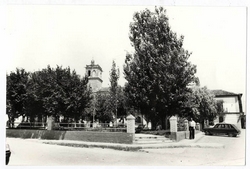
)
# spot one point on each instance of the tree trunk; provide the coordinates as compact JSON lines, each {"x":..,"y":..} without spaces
{"x":153,"y":122}
{"x":163,"y":121}
{"x":202,"y":122}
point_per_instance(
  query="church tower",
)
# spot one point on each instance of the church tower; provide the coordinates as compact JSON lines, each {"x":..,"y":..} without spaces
{"x":94,"y":74}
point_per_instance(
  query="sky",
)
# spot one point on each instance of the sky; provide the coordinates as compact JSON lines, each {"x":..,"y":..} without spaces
{"x":73,"y":35}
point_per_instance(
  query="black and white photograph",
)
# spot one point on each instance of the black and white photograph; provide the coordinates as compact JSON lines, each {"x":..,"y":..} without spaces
{"x":124,"y":85}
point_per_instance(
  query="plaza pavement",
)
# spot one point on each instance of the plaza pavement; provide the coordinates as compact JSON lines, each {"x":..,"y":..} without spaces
{"x":186,"y":143}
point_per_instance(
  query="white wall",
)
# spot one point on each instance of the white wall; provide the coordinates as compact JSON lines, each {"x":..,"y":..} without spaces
{"x":233,"y":119}
{"x":230,"y":104}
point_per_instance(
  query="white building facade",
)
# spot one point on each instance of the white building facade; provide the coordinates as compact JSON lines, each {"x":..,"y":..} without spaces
{"x":232,"y":106}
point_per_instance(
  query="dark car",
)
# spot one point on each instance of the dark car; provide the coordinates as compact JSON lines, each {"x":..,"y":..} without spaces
{"x":223,"y":129}
{"x":8,"y":153}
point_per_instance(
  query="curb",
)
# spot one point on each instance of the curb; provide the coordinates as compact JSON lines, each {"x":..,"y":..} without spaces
{"x":82,"y":145}
{"x":135,"y":147}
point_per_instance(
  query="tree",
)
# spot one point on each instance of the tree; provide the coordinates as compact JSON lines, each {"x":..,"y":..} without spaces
{"x":103,"y":112}
{"x":48,"y":92}
{"x":121,"y":104}
{"x":220,"y":110}
{"x":63,"y":92}
{"x":158,"y":72}
{"x":16,"y":94}
{"x":207,"y":107}
{"x":114,"y":76}
{"x":35,"y":102}
{"x":45,"y":89}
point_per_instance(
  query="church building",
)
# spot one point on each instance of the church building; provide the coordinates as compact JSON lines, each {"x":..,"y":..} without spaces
{"x":94,"y":74}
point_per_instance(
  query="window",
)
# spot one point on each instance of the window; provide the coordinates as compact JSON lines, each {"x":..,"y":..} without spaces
{"x":221,"y":119}
{"x":216,"y":126}
{"x":89,"y":72}
{"x":94,"y":73}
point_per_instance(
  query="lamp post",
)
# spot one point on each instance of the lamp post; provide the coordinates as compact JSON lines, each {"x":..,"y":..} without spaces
{"x":94,"y":101}
{"x":116,"y":111}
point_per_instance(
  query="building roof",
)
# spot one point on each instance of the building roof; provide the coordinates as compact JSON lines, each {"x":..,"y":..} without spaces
{"x":220,"y":93}
{"x":93,"y":65}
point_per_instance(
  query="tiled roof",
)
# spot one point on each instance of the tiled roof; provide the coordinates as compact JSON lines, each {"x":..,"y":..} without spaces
{"x":223,"y":93}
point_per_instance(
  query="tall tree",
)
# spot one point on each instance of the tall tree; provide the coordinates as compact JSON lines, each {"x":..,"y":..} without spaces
{"x":114,"y":76}
{"x":158,"y":72}
{"x":207,"y":107}
{"x":16,"y":94}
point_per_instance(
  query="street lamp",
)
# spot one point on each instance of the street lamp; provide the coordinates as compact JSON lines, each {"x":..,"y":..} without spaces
{"x":94,"y":100}
{"x":116,"y":111}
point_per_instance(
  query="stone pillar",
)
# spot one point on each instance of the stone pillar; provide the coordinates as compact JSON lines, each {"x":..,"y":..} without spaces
{"x":131,"y":127}
{"x":50,"y":123}
{"x":173,"y":128}
{"x":173,"y":124}
{"x":186,"y":125}
{"x":131,"y":124}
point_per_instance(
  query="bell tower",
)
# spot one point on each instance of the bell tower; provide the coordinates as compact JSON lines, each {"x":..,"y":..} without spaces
{"x":94,"y":74}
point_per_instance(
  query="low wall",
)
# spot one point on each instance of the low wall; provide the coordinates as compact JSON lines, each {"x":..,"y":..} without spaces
{"x":180,"y":135}
{"x":107,"y":137}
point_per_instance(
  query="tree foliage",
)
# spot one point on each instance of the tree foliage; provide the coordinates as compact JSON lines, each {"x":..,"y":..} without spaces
{"x":16,"y":91}
{"x":219,"y":107}
{"x":158,"y":71}
{"x":206,"y":105}
{"x":103,"y":111}
{"x":48,"y":92}
{"x":113,"y":90}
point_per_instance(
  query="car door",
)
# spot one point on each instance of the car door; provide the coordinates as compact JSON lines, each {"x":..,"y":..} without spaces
{"x":228,"y":129}
{"x":215,"y":129}
{"x":221,"y":129}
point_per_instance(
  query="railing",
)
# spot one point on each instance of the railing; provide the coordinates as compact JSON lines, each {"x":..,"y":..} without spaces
{"x":103,"y":127}
{"x":28,"y":125}
{"x":90,"y":127}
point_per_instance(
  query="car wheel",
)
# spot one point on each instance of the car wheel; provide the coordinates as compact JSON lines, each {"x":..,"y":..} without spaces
{"x":230,"y":135}
{"x":235,"y":135}
{"x":206,"y":133}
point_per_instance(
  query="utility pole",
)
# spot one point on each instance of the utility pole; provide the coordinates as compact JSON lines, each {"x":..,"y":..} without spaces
{"x":94,"y":110}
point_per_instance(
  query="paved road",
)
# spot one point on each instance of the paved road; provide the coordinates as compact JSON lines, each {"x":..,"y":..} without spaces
{"x":33,"y":153}
{"x":232,"y":154}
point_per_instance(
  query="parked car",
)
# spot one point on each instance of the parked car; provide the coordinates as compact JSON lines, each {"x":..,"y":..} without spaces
{"x":222,"y":129}
{"x":8,"y":153}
